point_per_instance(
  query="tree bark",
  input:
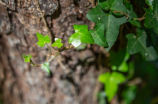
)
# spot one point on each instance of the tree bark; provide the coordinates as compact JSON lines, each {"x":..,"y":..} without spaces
{"x":74,"y":73}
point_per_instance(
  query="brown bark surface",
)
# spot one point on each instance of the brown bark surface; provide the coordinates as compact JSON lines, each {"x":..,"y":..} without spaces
{"x":74,"y":73}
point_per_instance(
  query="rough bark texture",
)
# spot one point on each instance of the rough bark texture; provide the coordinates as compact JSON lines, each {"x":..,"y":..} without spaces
{"x":74,"y":73}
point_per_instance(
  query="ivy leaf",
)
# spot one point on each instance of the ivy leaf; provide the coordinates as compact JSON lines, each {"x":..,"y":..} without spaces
{"x":103,"y":78}
{"x":117,"y":78}
{"x":134,"y":15}
{"x":45,"y":67}
{"x":111,"y":89}
{"x":42,"y":39}
{"x":150,"y":3}
{"x":105,"y":4}
{"x":151,"y":19}
{"x":57,"y":43}
{"x":118,"y":5}
{"x":27,"y":58}
{"x":110,"y":22}
{"x":98,"y":35}
{"x":111,"y":82}
{"x":81,"y":35}
{"x":139,"y":45}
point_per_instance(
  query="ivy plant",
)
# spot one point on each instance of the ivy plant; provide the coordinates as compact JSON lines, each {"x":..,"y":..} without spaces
{"x":108,"y":16}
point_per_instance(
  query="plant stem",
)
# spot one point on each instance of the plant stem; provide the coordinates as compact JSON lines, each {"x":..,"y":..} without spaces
{"x":140,"y":19}
{"x":53,"y":56}
{"x":48,"y":48}
{"x":43,"y":19}
{"x":33,"y":64}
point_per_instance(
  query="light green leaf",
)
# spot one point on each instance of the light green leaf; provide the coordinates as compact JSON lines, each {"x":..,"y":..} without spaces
{"x":98,"y":35}
{"x":123,"y":67}
{"x":111,"y":82}
{"x":139,"y":45}
{"x":45,"y":67}
{"x":111,"y":89}
{"x":103,"y":78}
{"x":57,"y":43}
{"x":81,"y":35}
{"x":110,"y":22}
{"x":27,"y":58}
{"x":117,"y":78}
{"x":42,"y":39}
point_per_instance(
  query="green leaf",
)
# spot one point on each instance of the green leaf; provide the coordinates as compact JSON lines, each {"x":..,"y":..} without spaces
{"x":134,"y":15}
{"x":27,"y":58}
{"x":111,"y":89}
{"x":103,"y":78}
{"x":129,"y":94}
{"x":105,"y":4}
{"x":111,"y":82}
{"x":57,"y":43}
{"x":139,"y":44}
{"x":117,"y":78}
{"x":151,"y":20}
{"x":110,"y":22}
{"x":150,"y":3}
{"x":118,"y":6}
{"x":42,"y":39}
{"x":45,"y":67}
{"x":81,"y":35}
{"x":98,"y":35}
{"x":127,"y":4}
{"x":123,"y":67}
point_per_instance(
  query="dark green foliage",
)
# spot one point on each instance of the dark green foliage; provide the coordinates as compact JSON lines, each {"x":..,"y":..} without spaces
{"x":98,"y":35}
{"x":139,"y":44}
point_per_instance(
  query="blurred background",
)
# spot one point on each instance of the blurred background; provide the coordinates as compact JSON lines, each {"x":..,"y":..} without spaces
{"x":75,"y":72}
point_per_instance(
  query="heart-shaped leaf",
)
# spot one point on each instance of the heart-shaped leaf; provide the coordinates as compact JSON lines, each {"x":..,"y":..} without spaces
{"x":139,"y":45}
{"x":57,"y":43}
{"x":42,"y":39}
{"x":27,"y":58}
{"x":99,"y":35}
{"x":45,"y":67}
{"x":81,"y":35}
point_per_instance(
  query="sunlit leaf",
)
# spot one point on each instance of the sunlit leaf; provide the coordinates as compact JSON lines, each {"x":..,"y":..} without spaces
{"x":42,"y":40}
{"x":57,"y":43}
{"x":45,"y":67}
{"x":81,"y":35}
{"x":27,"y":58}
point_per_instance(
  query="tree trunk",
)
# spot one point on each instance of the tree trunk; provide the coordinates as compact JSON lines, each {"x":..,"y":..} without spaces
{"x":74,"y":73}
